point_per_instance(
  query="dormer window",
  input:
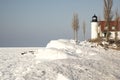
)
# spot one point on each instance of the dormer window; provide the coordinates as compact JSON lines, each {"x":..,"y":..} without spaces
{"x":105,"y":28}
{"x":113,"y":27}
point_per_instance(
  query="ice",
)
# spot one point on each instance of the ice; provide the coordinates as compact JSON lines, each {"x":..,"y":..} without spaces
{"x":60,"y":60}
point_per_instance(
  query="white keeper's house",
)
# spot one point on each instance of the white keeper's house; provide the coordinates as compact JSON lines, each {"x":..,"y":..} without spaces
{"x":100,"y":28}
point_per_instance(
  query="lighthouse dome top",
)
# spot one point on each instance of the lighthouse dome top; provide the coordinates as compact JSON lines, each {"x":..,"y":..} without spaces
{"x":94,"y":18}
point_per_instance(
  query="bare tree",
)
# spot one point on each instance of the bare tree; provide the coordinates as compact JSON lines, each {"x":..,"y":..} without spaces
{"x":75,"y":26}
{"x":84,"y":28}
{"x":99,"y":29}
{"x":117,"y":23}
{"x":108,"y":15}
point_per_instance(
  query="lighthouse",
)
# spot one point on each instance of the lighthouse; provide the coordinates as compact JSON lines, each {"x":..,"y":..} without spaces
{"x":94,"y":27}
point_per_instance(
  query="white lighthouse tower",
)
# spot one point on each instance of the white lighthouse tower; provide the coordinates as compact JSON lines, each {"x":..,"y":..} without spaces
{"x":94,"y":27}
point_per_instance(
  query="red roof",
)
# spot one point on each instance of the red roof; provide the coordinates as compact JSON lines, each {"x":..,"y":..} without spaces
{"x":112,"y":26}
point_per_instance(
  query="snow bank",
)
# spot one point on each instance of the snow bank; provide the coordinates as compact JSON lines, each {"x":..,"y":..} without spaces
{"x":61,"y":44}
{"x":58,"y":49}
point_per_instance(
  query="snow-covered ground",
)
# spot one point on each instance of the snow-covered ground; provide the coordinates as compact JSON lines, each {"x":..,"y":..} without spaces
{"x":60,"y":60}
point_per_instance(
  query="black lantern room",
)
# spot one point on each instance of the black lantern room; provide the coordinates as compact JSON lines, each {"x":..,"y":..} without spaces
{"x":94,"y":18}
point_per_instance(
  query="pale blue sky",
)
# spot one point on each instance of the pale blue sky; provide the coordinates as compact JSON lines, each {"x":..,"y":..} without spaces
{"x":35,"y":22}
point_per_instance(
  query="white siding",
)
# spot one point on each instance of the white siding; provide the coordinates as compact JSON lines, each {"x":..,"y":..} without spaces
{"x":112,"y":36}
{"x":94,"y":30}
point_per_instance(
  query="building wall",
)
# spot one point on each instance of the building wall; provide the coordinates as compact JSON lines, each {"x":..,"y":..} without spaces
{"x":118,"y":34}
{"x":94,"y":30}
{"x":112,"y":36}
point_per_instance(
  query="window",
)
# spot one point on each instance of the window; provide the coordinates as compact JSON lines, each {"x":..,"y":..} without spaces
{"x":113,"y":27}
{"x":105,"y":28}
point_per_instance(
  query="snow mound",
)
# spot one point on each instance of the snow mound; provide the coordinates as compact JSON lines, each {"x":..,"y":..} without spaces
{"x":58,"y":49}
{"x":66,"y":45}
{"x":61,"y":44}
